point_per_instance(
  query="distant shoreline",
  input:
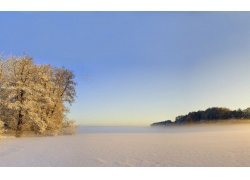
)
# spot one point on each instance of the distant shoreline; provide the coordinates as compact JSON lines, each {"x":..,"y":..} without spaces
{"x":213,"y":114}
{"x":224,"y":121}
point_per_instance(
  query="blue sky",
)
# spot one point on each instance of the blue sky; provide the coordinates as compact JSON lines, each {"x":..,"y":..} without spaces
{"x":136,"y":68}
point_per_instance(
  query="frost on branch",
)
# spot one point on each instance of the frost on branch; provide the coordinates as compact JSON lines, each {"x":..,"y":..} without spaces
{"x":33,"y":96}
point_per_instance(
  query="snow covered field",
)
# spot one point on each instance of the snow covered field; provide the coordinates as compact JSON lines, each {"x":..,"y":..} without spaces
{"x":201,"y":145}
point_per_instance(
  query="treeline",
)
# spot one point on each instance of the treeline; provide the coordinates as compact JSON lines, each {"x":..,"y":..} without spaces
{"x":33,"y":97}
{"x":210,"y":114}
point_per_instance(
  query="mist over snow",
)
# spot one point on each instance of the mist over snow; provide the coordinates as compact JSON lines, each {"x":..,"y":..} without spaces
{"x":200,"y":145}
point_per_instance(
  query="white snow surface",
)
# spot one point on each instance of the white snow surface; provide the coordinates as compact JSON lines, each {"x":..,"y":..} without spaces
{"x":195,"y":146}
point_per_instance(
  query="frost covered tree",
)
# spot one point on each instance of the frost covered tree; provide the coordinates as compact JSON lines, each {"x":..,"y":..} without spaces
{"x":62,"y":90}
{"x":32,"y":96}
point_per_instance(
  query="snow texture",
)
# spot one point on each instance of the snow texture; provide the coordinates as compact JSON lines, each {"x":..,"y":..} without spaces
{"x":202,"y":145}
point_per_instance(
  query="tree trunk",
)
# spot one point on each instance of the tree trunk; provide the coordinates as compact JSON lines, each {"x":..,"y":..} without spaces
{"x":19,"y":128}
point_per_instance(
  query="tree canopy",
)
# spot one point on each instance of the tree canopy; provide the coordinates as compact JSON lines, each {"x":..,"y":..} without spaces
{"x":33,"y":96}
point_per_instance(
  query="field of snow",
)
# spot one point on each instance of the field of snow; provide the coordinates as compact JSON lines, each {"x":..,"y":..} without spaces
{"x":198,"y":145}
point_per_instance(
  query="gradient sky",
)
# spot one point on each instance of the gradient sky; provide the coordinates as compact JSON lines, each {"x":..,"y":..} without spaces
{"x":136,"y":68}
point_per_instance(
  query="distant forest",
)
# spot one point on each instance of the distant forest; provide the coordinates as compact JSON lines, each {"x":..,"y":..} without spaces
{"x":210,"y":114}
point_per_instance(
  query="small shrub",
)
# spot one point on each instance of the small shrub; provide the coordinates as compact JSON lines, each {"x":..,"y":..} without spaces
{"x":68,"y":127}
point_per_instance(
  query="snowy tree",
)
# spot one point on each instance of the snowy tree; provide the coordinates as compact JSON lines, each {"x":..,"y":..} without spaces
{"x":32,"y":96}
{"x":59,"y":88}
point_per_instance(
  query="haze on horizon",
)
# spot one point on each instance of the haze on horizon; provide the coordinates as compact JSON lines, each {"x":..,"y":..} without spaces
{"x":136,"y":68}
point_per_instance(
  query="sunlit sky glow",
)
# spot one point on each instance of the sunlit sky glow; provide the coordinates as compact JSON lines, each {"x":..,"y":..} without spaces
{"x":136,"y":68}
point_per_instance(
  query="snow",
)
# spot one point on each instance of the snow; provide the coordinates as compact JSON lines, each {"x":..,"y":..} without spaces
{"x":201,"y":145}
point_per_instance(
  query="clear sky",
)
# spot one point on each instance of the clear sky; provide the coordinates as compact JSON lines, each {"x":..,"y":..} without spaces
{"x":136,"y":68}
